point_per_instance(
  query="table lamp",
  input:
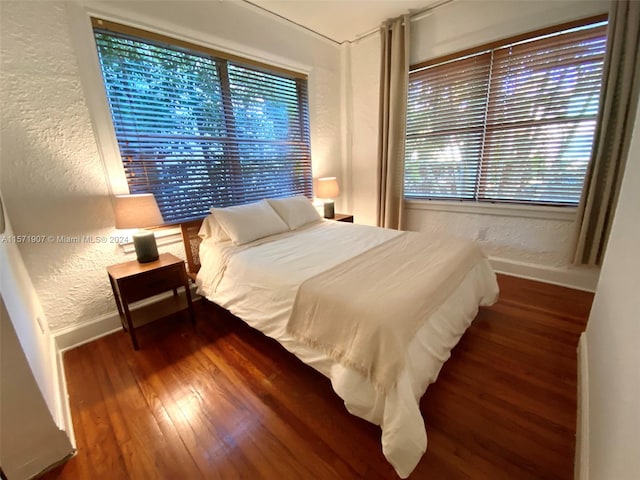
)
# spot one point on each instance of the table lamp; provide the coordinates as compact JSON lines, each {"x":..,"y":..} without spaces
{"x":139,"y":211}
{"x":327,"y":190}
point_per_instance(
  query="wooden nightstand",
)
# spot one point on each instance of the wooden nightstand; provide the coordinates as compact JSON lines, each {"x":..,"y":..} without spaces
{"x":343,"y":217}
{"x":133,"y":281}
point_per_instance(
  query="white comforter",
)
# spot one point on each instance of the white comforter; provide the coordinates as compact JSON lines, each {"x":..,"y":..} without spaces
{"x":258,"y":283}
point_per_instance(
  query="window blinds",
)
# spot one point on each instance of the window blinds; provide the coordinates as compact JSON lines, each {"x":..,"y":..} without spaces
{"x":445,"y":128}
{"x":199,"y":131}
{"x":511,"y":124}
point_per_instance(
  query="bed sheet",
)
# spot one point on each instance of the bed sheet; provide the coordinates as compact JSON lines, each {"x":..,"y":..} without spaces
{"x":258,"y":283}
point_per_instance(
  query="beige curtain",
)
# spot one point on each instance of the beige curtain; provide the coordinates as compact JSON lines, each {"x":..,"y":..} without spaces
{"x":394,"y":74}
{"x":618,"y":100}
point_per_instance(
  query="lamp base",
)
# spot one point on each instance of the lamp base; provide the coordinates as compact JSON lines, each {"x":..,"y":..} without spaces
{"x":146,"y":248}
{"x":329,"y":209}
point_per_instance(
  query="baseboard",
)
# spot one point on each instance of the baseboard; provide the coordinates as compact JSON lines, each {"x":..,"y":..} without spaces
{"x":66,"y":339}
{"x":66,"y":423}
{"x":581,"y":466}
{"x":75,"y":336}
{"x":579,"y":278}
{"x":63,"y":413}
{"x":72,"y":337}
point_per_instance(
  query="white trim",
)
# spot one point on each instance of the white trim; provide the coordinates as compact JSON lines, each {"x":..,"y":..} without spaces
{"x":59,"y":388}
{"x":581,"y":466}
{"x":579,"y":278}
{"x":69,"y":338}
{"x":66,"y":422}
{"x":72,"y":337}
{"x":114,"y":13}
{"x":567,"y":214}
{"x":91,"y":79}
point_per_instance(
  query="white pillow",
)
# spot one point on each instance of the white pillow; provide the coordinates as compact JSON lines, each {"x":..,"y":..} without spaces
{"x":295,"y":211}
{"x":211,"y":229}
{"x":246,"y":223}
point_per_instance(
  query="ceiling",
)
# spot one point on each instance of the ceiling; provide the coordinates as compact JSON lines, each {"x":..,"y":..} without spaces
{"x":341,"y":20}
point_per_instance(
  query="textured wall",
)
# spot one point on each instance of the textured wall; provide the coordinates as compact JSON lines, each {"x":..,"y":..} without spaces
{"x":448,"y":29}
{"x":53,"y":180}
{"x":52,"y":177}
{"x":530,"y":240}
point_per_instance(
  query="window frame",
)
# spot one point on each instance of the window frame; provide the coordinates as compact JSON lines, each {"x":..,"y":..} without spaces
{"x":489,"y":207}
{"x":223,"y":62}
{"x":90,"y":73}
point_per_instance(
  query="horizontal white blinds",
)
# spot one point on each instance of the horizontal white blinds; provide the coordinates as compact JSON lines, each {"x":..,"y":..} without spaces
{"x":199,"y":131}
{"x":445,"y":123}
{"x":513,"y":124}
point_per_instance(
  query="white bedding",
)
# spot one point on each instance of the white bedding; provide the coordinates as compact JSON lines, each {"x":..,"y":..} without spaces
{"x":258,"y":283}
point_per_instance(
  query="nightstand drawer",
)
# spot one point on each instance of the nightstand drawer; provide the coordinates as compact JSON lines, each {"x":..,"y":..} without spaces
{"x":133,"y":289}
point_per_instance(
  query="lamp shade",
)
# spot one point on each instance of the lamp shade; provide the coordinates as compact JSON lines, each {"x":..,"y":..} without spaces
{"x":327,"y":187}
{"x":137,"y":211}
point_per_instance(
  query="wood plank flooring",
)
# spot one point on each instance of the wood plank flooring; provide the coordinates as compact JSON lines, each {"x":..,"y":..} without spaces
{"x":222,"y":401}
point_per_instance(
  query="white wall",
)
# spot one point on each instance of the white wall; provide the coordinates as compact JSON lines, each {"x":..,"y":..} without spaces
{"x":53,"y":179}
{"x":613,"y":336}
{"x":465,"y":24}
{"x":365,"y":85}
{"x":29,"y":321}
{"x":30,"y":441}
{"x":32,"y":415}
{"x":535,"y":247}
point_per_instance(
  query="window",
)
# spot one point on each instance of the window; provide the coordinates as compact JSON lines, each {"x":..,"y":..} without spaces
{"x":512,"y":123}
{"x":199,"y":128}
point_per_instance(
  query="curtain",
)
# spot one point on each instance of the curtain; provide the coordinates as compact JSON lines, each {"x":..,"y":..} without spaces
{"x":618,"y":100}
{"x":394,"y":74}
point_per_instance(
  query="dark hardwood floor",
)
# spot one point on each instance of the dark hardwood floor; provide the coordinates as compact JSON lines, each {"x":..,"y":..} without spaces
{"x":221,"y":401}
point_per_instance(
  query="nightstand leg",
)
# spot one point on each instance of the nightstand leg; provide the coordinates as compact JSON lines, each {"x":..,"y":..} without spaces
{"x":192,"y":312}
{"x":116,"y":297}
{"x":132,"y":332}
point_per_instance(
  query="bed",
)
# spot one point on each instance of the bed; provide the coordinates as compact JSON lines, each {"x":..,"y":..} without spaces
{"x":377,"y":311}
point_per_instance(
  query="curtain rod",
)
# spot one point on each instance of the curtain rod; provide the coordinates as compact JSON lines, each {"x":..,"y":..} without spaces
{"x":413,"y":16}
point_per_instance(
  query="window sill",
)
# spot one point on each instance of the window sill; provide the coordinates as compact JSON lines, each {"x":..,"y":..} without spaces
{"x":164,"y":236}
{"x":566,"y":214}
